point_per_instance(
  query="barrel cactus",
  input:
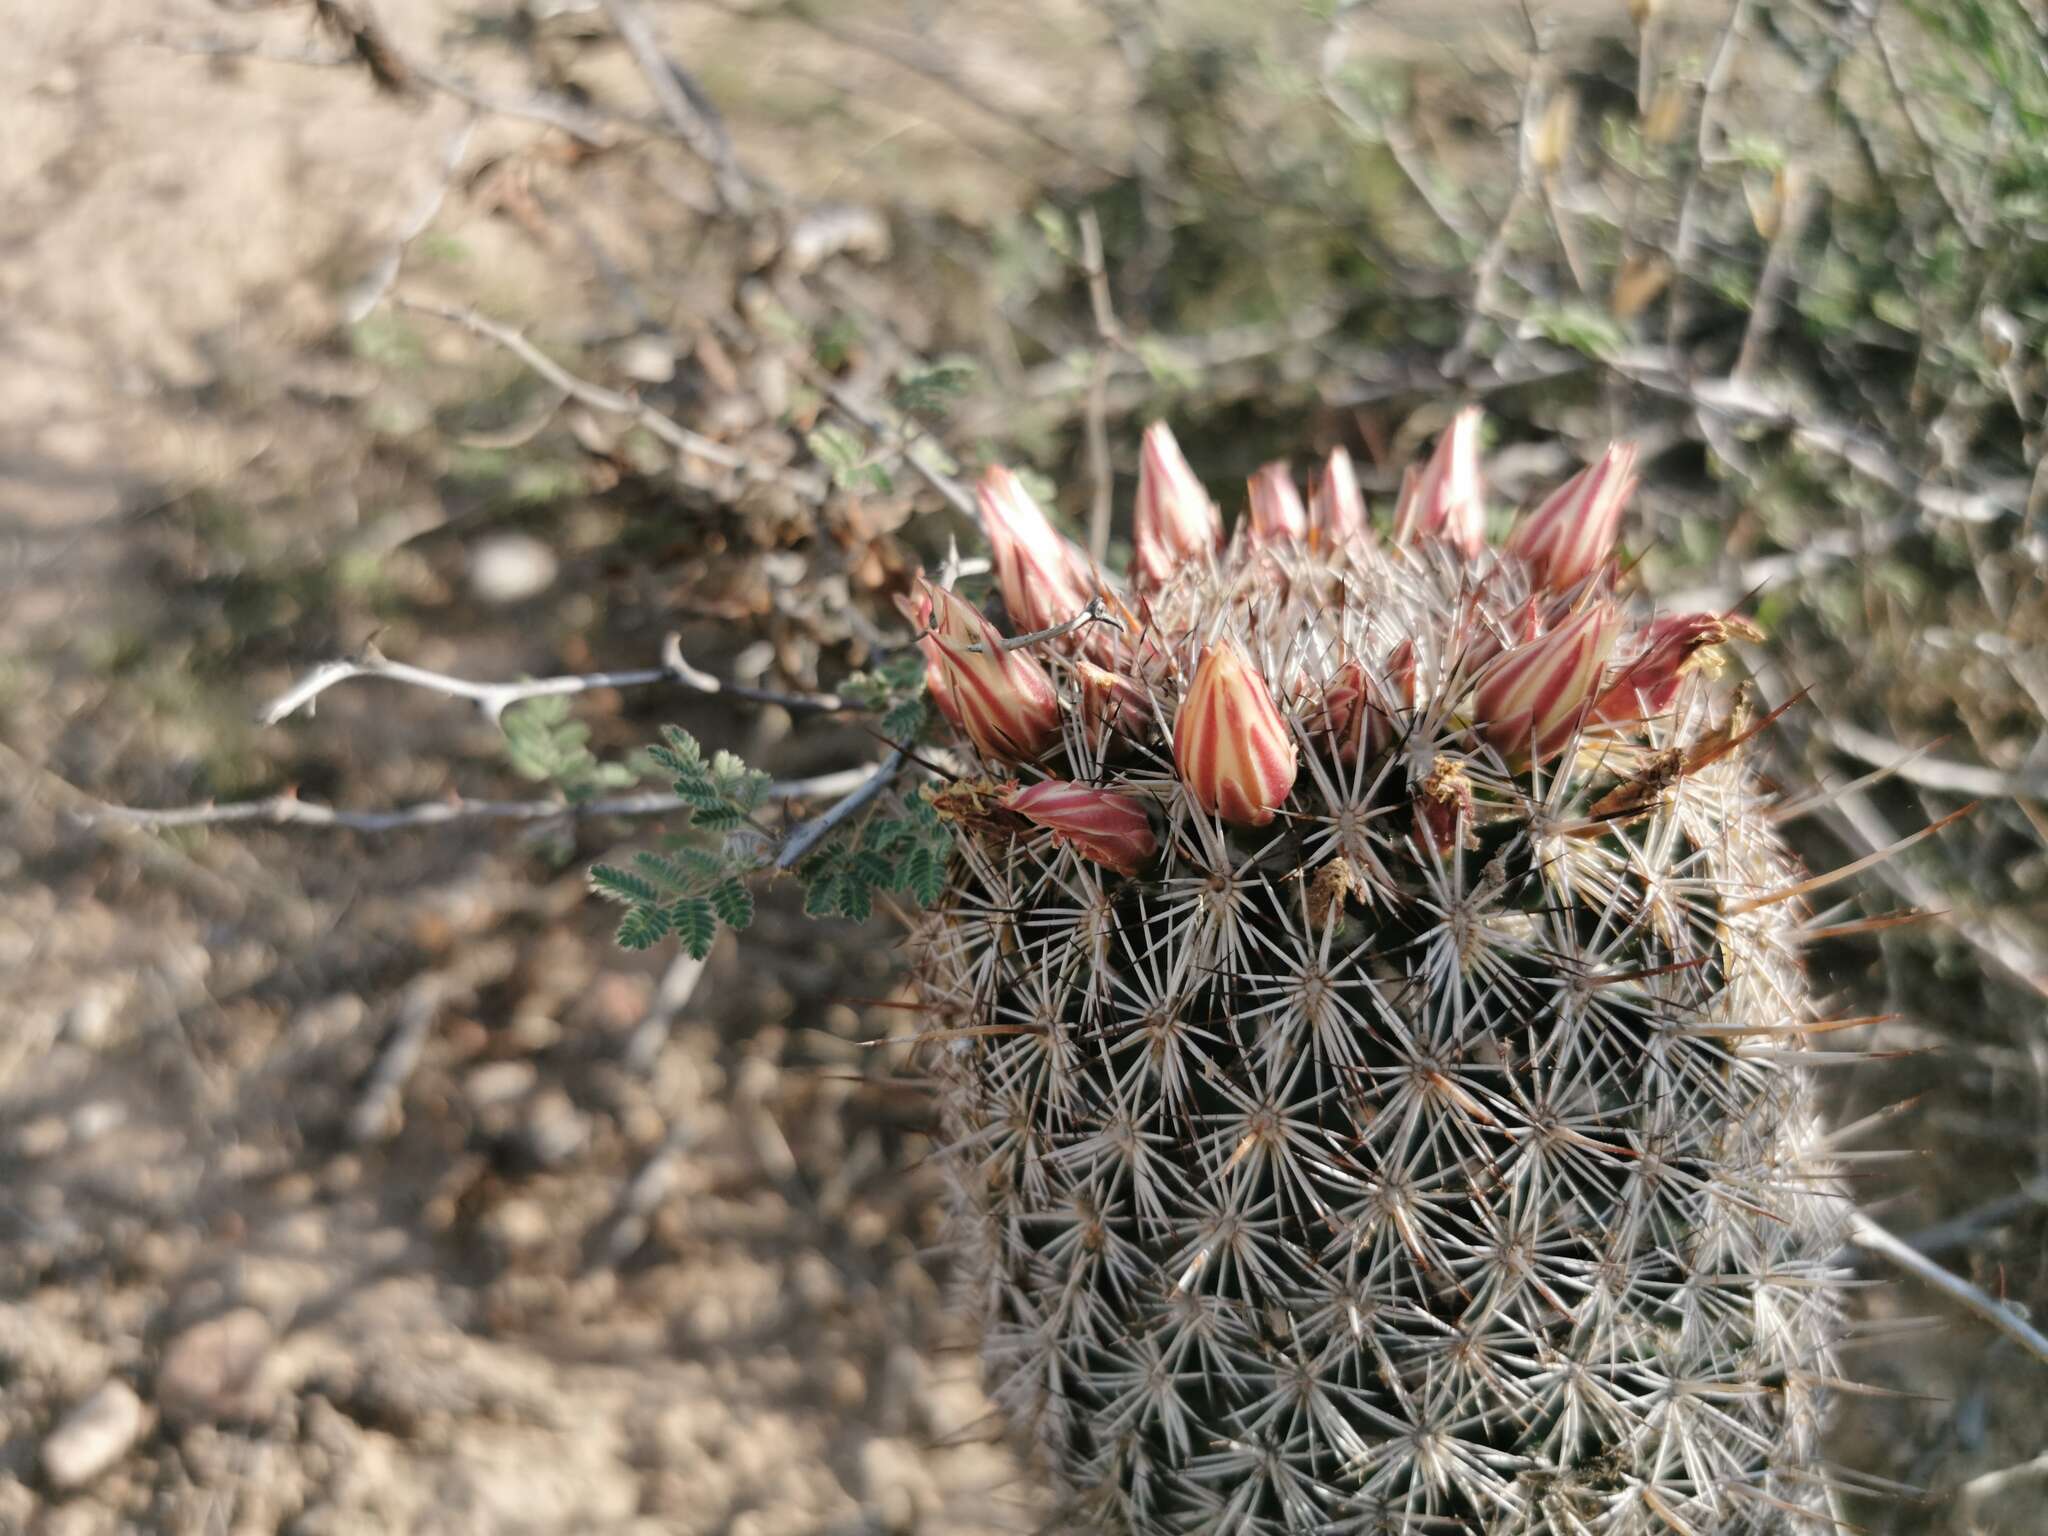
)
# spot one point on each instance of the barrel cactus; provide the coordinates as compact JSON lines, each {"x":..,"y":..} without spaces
{"x":1371,"y":1028}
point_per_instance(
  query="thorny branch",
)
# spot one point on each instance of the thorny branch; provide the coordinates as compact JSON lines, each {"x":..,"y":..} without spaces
{"x":493,"y":699}
{"x":1874,"y":1239}
{"x":287,"y":809}
{"x":598,"y":397}
{"x":695,"y":121}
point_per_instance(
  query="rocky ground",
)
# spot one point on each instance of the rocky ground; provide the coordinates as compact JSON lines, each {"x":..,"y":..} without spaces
{"x":358,"y":1183}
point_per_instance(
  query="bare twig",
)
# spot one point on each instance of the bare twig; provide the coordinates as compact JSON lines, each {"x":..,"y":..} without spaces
{"x":365,"y":294}
{"x":1386,"y":129}
{"x":678,"y":985}
{"x":596,"y":396}
{"x":937,"y":479}
{"x":1097,"y":612}
{"x":922,"y":58}
{"x":798,"y":845}
{"x":1874,"y":1239}
{"x":1709,"y":151}
{"x":1797,"y":195}
{"x":643,"y":1194}
{"x":694,"y":119}
{"x":376,"y":1112}
{"x":493,"y":699}
{"x":1964,"y":1231}
{"x":587,"y":125}
{"x":1110,"y":338}
{"x":287,"y":809}
{"x":1931,"y":772}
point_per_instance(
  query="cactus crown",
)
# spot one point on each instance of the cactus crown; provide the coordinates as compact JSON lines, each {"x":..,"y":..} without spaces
{"x":1373,"y":1071}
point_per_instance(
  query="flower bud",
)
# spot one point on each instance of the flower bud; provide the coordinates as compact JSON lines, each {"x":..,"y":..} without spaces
{"x":1109,"y":699}
{"x":1445,"y":500}
{"x":1528,"y":703}
{"x":1335,"y":506}
{"x":1175,"y":521}
{"x":1101,"y":825}
{"x":1572,"y":533}
{"x":1357,"y":712}
{"x":1277,"y":513}
{"x":1648,"y":685}
{"x":1036,"y":568}
{"x":1003,"y":700}
{"x":1229,"y":742}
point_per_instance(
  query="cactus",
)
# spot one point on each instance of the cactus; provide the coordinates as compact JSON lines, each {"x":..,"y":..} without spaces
{"x":1372,"y":1033}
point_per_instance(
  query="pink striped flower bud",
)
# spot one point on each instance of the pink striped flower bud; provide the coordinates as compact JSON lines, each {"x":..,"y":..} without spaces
{"x":1446,"y":500}
{"x":1277,"y":516}
{"x":1003,"y":700}
{"x":1530,"y":701}
{"x":1101,"y":825}
{"x":1357,"y":712}
{"x":1336,"y":508}
{"x":1648,"y":685}
{"x":1229,"y":742}
{"x":1175,"y":521}
{"x":1574,"y":531}
{"x":1109,"y":699}
{"x":1036,"y":568}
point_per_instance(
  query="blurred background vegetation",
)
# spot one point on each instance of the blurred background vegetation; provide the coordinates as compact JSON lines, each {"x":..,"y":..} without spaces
{"x":823,"y":262}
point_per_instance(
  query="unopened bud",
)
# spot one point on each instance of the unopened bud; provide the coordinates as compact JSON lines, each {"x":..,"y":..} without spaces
{"x":1529,"y":703}
{"x":1229,"y":741}
{"x":1175,"y":521}
{"x":1003,"y":699}
{"x":1336,"y":509}
{"x":1277,"y":515}
{"x":1358,"y":715}
{"x":1103,"y":826}
{"x":1573,"y":531}
{"x":1109,"y":700}
{"x":1446,"y":500}
{"x":1035,"y":567}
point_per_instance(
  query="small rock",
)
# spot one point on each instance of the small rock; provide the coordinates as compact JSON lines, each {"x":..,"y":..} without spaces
{"x":93,"y":1436}
{"x":647,"y":358}
{"x":897,"y":1490}
{"x":510,"y":568}
{"x":213,"y":1372}
{"x":89,"y":1022}
{"x":89,"y":1122}
{"x":554,"y":1131}
{"x":41,"y":1137}
{"x":517,"y":1225}
{"x":498,"y":1082}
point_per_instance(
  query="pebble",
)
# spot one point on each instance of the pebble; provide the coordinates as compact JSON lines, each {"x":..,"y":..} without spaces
{"x":93,"y":1436}
{"x":554,"y":1131}
{"x":510,"y":568}
{"x":213,"y":1372}
{"x":897,"y":1492}
{"x":498,"y":1082}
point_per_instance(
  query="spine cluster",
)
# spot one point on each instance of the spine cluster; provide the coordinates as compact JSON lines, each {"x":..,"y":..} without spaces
{"x":1369,"y":1004}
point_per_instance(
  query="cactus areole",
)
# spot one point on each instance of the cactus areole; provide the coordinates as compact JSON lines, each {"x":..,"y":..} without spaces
{"x":1393,"y":1116}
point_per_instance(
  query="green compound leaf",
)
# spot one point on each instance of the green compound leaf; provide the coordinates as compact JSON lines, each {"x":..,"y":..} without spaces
{"x":695,"y":924}
{"x":923,"y":874}
{"x":619,"y":885}
{"x":643,"y":928}
{"x":733,"y":903}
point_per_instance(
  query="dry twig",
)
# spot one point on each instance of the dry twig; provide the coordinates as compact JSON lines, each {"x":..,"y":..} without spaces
{"x":1874,"y":1239}
{"x":287,"y":809}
